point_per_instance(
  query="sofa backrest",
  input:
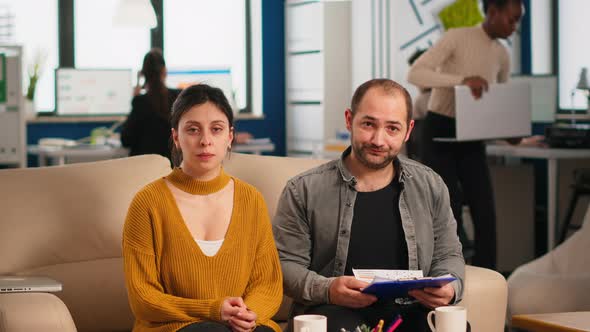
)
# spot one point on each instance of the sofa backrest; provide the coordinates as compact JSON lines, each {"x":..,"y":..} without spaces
{"x":268,"y":174}
{"x":72,"y":213}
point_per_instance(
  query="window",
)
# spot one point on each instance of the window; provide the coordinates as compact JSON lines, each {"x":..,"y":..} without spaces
{"x":211,"y":34}
{"x":38,"y":35}
{"x":574,"y":51}
{"x":100,"y":44}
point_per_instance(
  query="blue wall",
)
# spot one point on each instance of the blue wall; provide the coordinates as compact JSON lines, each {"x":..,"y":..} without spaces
{"x":273,"y":90}
{"x":273,"y":78}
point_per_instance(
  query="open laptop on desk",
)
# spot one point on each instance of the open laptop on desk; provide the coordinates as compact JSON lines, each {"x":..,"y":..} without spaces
{"x":17,"y":284}
{"x":504,"y":111}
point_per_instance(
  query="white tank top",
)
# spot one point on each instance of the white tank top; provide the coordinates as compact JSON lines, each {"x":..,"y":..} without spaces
{"x":210,"y":248}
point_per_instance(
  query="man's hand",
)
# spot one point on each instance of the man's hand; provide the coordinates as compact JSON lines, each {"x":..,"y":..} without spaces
{"x":433,"y":297}
{"x":345,"y":291}
{"x":477,"y":84}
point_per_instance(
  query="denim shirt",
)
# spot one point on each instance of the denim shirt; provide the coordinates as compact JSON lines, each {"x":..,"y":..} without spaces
{"x":314,"y":217}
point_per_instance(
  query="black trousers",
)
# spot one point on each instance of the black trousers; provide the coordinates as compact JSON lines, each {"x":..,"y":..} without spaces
{"x":464,"y":169}
{"x":217,"y":327}
{"x":413,"y":316}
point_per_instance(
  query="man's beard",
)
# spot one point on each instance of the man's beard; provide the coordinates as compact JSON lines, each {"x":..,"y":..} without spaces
{"x":361,"y":154}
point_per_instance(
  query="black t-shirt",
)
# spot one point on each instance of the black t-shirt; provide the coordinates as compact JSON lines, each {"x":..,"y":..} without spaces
{"x":377,"y":239}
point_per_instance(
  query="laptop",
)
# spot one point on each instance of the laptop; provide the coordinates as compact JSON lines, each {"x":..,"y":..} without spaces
{"x":18,"y":284}
{"x":504,"y":111}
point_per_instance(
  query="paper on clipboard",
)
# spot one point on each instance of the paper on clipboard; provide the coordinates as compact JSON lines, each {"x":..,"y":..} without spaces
{"x":368,"y":275}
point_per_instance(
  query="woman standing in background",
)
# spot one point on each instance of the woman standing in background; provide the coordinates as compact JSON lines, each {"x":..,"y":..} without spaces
{"x":147,"y":128}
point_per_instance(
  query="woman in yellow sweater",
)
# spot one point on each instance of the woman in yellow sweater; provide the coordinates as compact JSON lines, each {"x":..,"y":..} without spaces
{"x":198,"y":249}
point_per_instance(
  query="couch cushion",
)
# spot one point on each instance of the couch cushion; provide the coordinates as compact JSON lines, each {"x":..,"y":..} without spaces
{"x":70,"y":213}
{"x":268,"y":174}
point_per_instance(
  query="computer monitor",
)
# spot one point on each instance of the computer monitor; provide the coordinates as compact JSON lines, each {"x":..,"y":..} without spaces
{"x":179,"y":78}
{"x":93,"y":91}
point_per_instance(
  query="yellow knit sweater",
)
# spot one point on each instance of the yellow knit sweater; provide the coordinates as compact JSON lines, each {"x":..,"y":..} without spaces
{"x":171,"y":283}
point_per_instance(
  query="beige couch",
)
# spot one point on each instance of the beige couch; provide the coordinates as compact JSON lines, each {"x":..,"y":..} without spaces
{"x":66,"y":222}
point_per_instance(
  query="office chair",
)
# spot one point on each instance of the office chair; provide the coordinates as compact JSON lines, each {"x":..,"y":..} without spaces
{"x":581,"y":187}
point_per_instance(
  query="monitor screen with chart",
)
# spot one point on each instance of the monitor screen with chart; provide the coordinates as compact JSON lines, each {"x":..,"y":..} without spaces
{"x":93,"y":91}
{"x":217,"y":77}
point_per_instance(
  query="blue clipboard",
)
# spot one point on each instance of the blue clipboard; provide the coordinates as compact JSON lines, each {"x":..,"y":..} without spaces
{"x":399,"y":288}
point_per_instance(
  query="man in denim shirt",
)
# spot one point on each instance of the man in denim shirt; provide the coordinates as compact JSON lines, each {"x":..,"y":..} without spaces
{"x":370,"y":209}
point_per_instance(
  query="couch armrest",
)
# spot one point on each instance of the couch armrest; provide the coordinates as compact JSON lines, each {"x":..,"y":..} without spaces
{"x":485,"y":297}
{"x":34,"y":312}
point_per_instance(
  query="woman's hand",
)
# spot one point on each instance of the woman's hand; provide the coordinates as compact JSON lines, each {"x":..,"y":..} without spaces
{"x":235,"y":313}
{"x":244,"y":321}
{"x":231,"y":307}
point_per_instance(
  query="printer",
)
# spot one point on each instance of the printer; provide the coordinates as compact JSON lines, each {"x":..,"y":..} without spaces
{"x":572,"y":130}
{"x":568,"y":135}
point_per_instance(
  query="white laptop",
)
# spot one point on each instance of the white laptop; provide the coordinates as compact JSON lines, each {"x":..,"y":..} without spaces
{"x":18,"y":284}
{"x":504,"y":111}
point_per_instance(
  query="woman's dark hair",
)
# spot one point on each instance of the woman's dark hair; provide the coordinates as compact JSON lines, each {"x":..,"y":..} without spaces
{"x":193,"y":96}
{"x":152,"y":69}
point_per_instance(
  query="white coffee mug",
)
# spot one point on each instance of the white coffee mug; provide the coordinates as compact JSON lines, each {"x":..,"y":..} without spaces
{"x":448,"y":319}
{"x":310,"y":323}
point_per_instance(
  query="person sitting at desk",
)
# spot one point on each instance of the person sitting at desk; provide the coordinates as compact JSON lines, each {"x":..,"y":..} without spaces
{"x":371,"y":209}
{"x":147,"y":128}
{"x":198,"y":248}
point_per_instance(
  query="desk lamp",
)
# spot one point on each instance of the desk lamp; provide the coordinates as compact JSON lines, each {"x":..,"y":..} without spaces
{"x":572,"y":135}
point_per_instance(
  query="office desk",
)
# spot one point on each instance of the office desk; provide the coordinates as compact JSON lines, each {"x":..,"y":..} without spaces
{"x":552,"y":156}
{"x":253,"y":148}
{"x":554,"y":322}
{"x":52,"y":155}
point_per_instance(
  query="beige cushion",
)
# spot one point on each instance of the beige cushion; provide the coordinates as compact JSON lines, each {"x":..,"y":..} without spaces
{"x":268,"y":174}
{"x":95,"y":293}
{"x":562,"y":275}
{"x":485,"y":297}
{"x":69,"y":213}
{"x":24,"y":312}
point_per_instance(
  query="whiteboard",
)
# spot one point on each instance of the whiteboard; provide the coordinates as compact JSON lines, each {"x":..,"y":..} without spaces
{"x":93,"y":91}
{"x":503,"y":111}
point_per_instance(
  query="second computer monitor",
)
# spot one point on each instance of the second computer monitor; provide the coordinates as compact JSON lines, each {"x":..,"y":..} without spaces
{"x":217,"y":77}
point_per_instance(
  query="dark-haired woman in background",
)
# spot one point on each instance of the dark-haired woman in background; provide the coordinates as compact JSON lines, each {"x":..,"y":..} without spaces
{"x":147,"y":128}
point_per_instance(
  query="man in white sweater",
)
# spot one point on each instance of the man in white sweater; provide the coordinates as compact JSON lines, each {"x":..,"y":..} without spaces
{"x":473,"y":57}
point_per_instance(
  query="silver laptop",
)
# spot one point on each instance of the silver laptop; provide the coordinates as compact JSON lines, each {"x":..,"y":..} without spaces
{"x":20,"y":284}
{"x":504,"y":111}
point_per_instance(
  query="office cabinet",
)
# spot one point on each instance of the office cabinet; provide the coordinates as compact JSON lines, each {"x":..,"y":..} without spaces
{"x":12,"y":114}
{"x":318,"y":72}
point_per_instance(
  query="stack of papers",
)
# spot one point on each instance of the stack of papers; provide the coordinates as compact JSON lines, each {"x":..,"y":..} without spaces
{"x":391,"y":284}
